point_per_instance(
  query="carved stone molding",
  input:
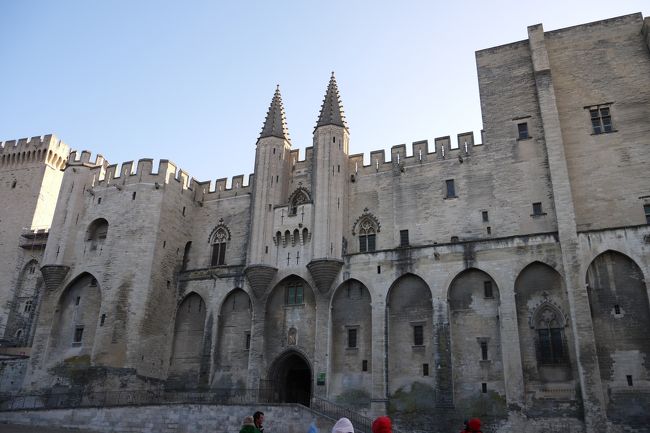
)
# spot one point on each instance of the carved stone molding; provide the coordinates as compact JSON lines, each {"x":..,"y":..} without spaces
{"x":53,"y":275}
{"x":259,"y":277}
{"x":324,"y":271}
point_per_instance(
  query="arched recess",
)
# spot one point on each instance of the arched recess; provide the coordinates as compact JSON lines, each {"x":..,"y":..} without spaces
{"x":290,"y":320}
{"x":233,"y":341}
{"x":620,"y":313}
{"x":545,"y":337}
{"x":188,"y":354}
{"x":96,"y":234}
{"x":477,"y":364}
{"x":76,"y":319}
{"x":351,"y":350}
{"x":291,"y":378}
{"x":24,"y":305}
{"x":410,"y":338}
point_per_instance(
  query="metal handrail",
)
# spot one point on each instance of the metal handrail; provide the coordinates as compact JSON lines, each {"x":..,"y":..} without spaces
{"x":335,"y":411}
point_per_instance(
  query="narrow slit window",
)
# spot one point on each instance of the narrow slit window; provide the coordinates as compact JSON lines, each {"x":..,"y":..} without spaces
{"x":352,"y":338}
{"x":418,"y":335}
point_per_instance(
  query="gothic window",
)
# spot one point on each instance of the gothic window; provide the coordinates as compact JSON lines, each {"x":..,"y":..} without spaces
{"x":219,"y":239}
{"x":28,"y":306}
{"x":551,"y":348}
{"x":219,"y":242}
{"x":97,"y":232}
{"x":298,"y":197}
{"x":367,"y":239}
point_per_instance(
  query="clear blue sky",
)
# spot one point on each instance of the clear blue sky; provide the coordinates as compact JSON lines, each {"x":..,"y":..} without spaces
{"x":191,"y":81}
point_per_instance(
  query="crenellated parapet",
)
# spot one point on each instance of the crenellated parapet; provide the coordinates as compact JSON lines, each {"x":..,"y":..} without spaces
{"x":442,"y":149}
{"x":46,"y":149}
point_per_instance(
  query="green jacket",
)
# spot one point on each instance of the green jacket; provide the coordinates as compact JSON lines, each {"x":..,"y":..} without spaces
{"x":249,"y":429}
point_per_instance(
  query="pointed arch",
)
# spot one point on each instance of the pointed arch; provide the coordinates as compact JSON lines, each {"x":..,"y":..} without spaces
{"x":25,"y":303}
{"x":290,"y":304}
{"x":409,"y":305}
{"x":351,"y":346}
{"x":233,"y":340}
{"x":188,"y":354}
{"x":475,"y":336}
{"x":219,"y":238}
{"x":76,"y":318}
{"x":618,"y":298}
{"x":366,"y":227}
{"x":299,"y":196}
{"x":545,"y":339}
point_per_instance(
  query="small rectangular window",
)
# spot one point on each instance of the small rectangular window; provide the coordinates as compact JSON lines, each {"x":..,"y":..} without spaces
{"x":418,"y":335}
{"x":78,"y":300}
{"x":489,"y":230}
{"x":484,"y":387}
{"x":379,"y":269}
{"x":99,"y":200}
{"x":248,"y":341}
{"x":601,"y":120}
{"x":103,"y":319}
{"x":484,"y":215}
{"x":294,"y":295}
{"x":646,"y":210}
{"x":425,"y":369}
{"x":451,"y":189}
{"x":487,"y":289}
{"x":484,"y":350}
{"x":537,"y":209}
{"x":522,"y":129}
{"x":629,"y":380}
{"x":403,"y":238}
{"x":78,"y":334}
{"x":133,"y":196}
{"x":352,"y":338}
{"x":617,"y":309}
{"x":364,"y":365}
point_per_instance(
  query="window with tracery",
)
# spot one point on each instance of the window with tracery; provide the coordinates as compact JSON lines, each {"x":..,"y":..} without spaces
{"x":298,"y":198}
{"x":367,"y":236}
{"x":551,"y":348}
{"x":219,"y":243}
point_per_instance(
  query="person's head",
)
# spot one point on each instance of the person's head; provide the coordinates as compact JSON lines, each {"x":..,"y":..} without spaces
{"x":343,"y":426}
{"x":474,"y":424}
{"x":248,"y":421}
{"x":382,"y":425}
{"x":258,"y":417}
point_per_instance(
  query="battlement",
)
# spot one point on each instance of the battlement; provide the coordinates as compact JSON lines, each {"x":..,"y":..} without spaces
{"x":83,"y":158}
{"x":421,"y":152}
{"x":48,"y":149}
{"x":106,"y":175}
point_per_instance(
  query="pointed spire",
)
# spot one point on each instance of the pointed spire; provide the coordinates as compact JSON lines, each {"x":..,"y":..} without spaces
{"x":331,"y":112}
{"x":275,"y":124}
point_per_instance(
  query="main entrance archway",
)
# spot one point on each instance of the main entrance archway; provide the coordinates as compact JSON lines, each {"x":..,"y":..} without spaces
{"x":291,"y":378}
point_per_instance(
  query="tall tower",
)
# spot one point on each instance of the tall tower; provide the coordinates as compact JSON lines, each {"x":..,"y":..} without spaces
{"x":270,"y":185}
{"x":329,"y":187}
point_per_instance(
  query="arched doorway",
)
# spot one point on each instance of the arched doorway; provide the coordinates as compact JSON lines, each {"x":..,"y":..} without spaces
{"x":291,"y":379}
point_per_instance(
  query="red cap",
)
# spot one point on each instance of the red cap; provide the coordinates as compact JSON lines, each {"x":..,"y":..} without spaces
{"x":382,"y":425}
{"x":474,"y":424}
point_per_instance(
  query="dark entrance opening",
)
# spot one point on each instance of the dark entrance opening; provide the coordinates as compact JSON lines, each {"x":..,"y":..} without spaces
{"x":291,"y":379}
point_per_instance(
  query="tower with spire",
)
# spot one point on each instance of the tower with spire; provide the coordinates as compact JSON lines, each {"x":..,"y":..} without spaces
{"x":329,"y":187}
{"x":272,"y":168}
